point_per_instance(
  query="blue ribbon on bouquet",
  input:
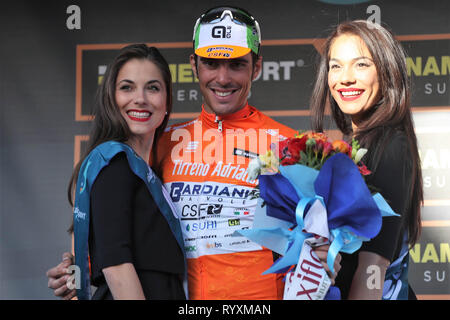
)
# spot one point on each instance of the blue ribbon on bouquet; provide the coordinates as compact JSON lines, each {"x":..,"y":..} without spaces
{"x":353,"y":214}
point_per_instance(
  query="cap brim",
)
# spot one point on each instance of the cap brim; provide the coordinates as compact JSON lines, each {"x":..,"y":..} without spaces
{"x":222,"y":52}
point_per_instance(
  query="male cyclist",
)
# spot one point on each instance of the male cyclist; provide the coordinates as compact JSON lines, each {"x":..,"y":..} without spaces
{"x":203,"y":165}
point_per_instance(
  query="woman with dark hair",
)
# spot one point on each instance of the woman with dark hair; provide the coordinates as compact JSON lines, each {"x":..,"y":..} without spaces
{"x":362,"y":77}
{"x":122,"y":215}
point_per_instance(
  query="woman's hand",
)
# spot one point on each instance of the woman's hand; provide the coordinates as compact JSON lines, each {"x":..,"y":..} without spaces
{"x":322,"y":253}
{"x":59,"y":277}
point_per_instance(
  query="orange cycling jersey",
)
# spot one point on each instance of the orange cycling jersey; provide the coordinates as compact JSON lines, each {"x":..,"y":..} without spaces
{"x":204,"y":167}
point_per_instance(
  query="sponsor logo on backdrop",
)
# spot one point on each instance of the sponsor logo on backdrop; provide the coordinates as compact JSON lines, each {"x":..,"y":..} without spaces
{"x":186,"y":92}
{"x":430,"y":258}
{"x":434,"y":152}
{"x":435,"y":166}
{"x":271,"y":71}
{"x":431,"y":267}
{"x":431,"y":73}
{"x":284,"y":68}
{"x":430,"y":253}
{"x":426,"y":66}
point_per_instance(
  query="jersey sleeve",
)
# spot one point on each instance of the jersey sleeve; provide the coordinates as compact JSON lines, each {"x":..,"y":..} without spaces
{"x":392,"y":179}
{"x":111,"y":213}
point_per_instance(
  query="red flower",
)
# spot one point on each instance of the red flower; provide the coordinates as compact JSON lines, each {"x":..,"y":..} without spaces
{"x":289,"y":150}
{"x":296,"y":145}
{"x":363,"y":170}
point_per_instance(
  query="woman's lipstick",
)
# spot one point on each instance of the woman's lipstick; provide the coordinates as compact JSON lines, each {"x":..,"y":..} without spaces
{"x":350,"y":94}
{"x":139,"y":115}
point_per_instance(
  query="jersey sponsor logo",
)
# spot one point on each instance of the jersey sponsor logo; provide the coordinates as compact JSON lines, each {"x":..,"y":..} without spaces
{"x":182,"y":168}
{"x":190,"y":248}
{"x":213,"y":245}
{"x":192,"y":146}
{"x":182,"y":189}
{"x":200,"y":226}
{"x":196,"y":211}
{"x":244,"y":153}
{"x":234,"y":222}
{"x":239,"y":243}
{"x":209,"y":236}
{"x":210,"y":212}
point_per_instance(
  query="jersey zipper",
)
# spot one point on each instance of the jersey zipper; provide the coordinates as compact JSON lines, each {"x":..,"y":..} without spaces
{"x":219,"y":123}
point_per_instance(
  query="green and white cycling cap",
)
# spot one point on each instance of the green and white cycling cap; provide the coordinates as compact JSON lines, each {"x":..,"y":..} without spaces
{"x":226,"y":33}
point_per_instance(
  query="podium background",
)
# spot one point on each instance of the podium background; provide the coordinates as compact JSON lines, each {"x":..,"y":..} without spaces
{"x":49,"y":74}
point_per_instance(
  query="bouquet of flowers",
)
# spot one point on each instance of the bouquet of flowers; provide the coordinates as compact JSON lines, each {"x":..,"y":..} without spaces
{"x":312,"y":192}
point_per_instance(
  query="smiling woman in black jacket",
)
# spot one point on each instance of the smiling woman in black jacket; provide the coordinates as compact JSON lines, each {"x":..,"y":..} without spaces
{"x":362,"y":76}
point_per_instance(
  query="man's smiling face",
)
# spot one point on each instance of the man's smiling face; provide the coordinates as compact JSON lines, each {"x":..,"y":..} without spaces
{"x":225,"y":83}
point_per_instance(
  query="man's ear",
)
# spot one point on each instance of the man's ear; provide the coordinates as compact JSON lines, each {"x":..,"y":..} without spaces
{"x":257,"y":68}
{"x":192,"y":58}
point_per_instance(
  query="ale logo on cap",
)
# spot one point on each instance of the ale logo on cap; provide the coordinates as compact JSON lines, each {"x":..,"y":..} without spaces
{"x":221,"y":32}
{"x":218,"y":32}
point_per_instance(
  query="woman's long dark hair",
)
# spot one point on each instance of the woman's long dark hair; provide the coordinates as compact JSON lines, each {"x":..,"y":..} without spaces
{"x":108,"y":123}
{"x":390,"y":114}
